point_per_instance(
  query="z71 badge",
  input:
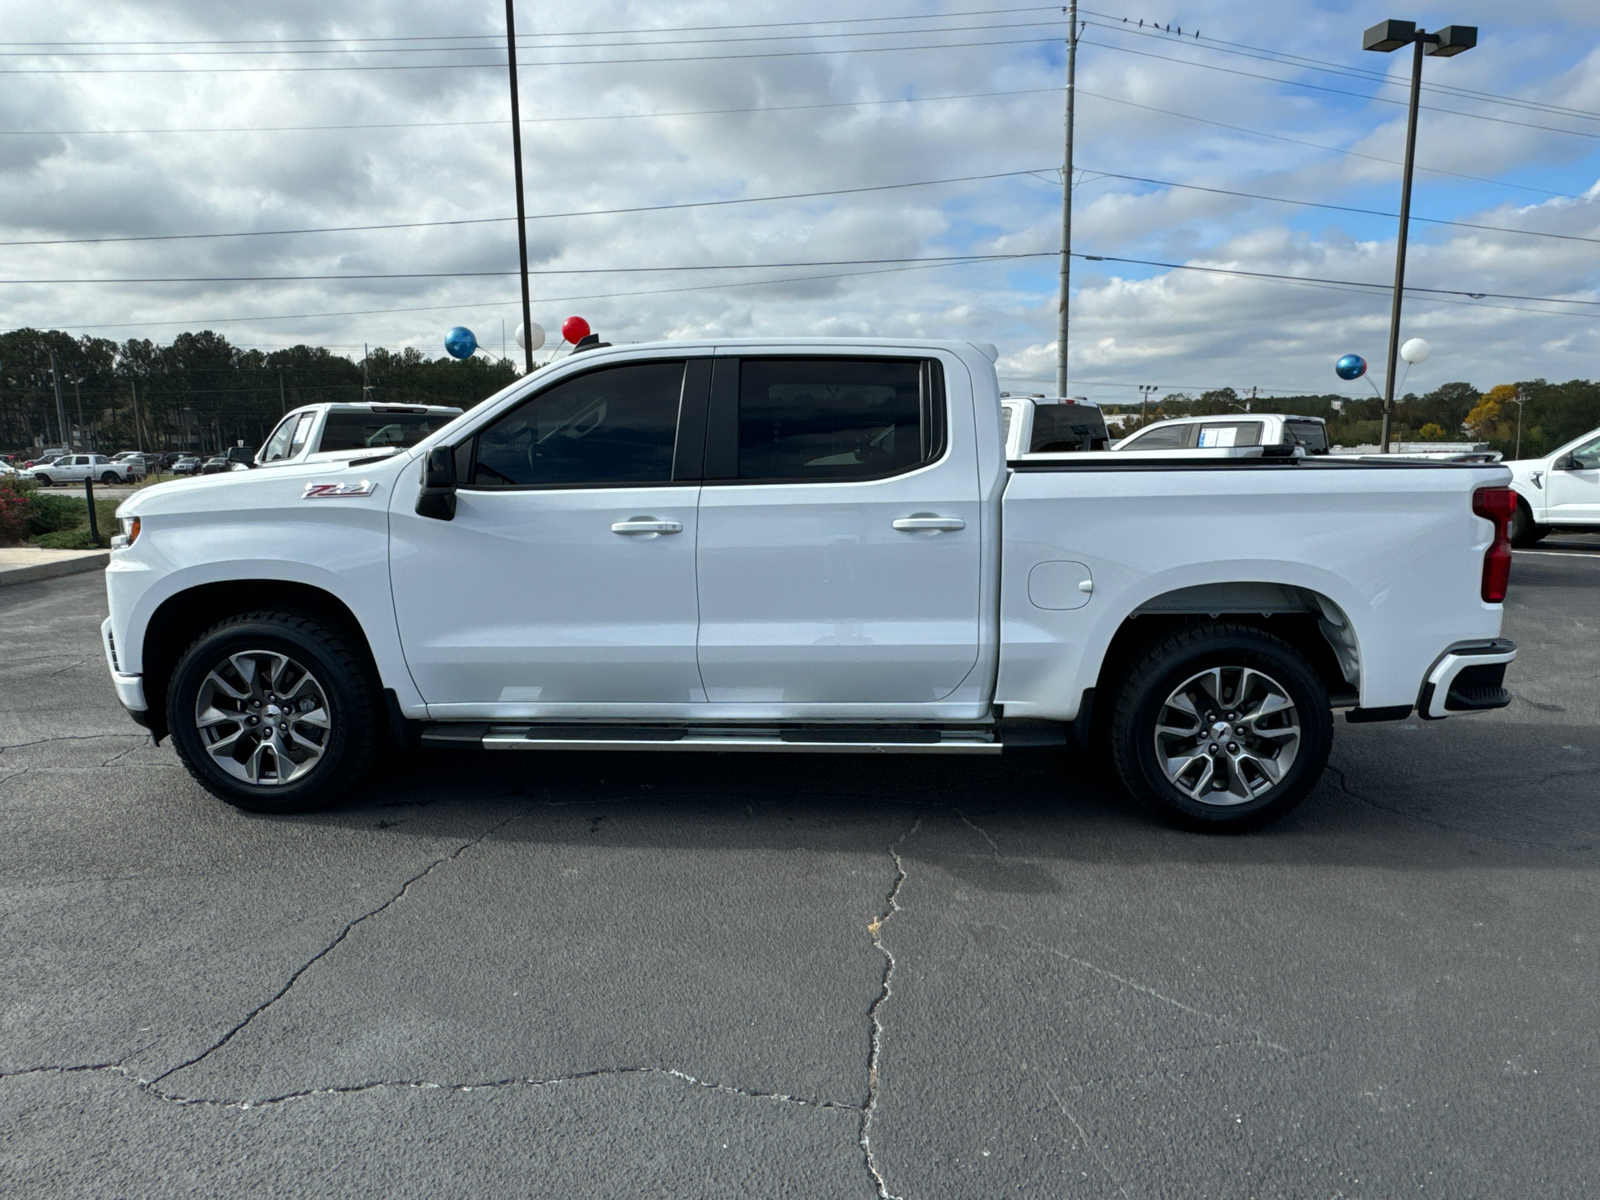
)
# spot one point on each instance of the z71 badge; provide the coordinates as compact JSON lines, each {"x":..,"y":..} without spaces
{"x":328,"y":491}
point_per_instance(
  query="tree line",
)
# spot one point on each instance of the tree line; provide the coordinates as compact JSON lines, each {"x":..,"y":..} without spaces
{"x":200,"y":393}
{"x":1550,"y":413}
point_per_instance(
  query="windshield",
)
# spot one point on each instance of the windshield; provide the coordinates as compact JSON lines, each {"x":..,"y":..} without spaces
{"x":379,"y":430}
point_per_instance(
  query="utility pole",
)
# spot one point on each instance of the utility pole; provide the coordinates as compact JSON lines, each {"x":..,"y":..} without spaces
{"x":516,"y":157}
{"x":366,"y":380}
{"x":283,"y":401}
{"x":77,"y":390}
{"x":1066,"y":201}
{"x":138,"y":424}
{"x":1146,"y":390}
{"x":61,"y":404}
{"x":1521,"y":400}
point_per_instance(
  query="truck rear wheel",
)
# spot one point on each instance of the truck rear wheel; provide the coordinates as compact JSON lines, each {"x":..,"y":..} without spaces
{"x":273,"y":712}
{"x":1221,"y":728}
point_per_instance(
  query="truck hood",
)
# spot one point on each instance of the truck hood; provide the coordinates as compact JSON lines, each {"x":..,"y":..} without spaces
{"x":234,"y":490}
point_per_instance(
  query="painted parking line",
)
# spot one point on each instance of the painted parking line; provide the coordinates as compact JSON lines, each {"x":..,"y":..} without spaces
{"x":1593,"y":555}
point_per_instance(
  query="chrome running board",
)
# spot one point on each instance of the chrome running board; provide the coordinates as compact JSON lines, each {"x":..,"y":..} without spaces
{"x":768,"y":739}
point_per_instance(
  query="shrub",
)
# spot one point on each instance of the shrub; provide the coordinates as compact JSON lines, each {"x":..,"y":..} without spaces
{"x":14,"y":506}
{"x":70,"y":539}
{"x":52,"y":514}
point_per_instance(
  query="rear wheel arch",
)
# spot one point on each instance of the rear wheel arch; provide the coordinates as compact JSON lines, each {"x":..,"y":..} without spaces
{"x":182,"y":617}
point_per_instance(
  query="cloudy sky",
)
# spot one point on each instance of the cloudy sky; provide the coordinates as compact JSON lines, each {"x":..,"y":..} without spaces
{"x":143,"y":120}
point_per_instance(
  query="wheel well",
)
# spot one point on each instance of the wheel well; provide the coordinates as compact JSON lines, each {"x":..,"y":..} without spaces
{"x":181,"y":618}
{"x":1307,"y":620}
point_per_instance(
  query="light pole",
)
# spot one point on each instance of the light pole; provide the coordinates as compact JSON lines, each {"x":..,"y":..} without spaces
{"x":1384,"y":37}
{"x":1066,"y":202}
{"x":1521,"y":402}
{"x":516,"y":157}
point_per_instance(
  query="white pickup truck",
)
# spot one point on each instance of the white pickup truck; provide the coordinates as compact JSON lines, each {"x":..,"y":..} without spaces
{"x":1559,"y":491}
{"x":329,"y":432}
{"x":801,"y":546}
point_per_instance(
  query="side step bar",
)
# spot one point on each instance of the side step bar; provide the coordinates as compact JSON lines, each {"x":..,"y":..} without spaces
{"x":768,"y":739}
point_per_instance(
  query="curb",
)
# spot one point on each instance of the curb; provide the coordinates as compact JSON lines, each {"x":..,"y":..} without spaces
{"x":49,"y":570}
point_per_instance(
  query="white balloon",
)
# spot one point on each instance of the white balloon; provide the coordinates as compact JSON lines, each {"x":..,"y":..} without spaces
{"x":535,"y":342}
{"x":1416,"y":351}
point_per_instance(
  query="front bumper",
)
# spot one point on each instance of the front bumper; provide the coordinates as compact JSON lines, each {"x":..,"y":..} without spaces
{"x":130,"y":688}
{"x":1468,"y":677}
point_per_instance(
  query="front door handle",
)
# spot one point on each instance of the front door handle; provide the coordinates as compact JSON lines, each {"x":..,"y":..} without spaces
{"x":646,"y":525}
{"x":927,"y":523}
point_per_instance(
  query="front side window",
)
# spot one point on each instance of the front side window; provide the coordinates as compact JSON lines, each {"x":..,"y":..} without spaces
{"x":1168,"y":437}
{"x":834,"y":419}
{"x":615,"y":425}
{"x":1587,"y":456}
{"x":277,"y":446}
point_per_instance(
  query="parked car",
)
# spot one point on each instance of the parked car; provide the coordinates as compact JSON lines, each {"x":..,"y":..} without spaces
{"x":75,"y":468}
{"x":334,"y":432}
{"x":1559,"y":491}
{"x":187,"y":464}
{"x":1048,"y":425}
{"x":136,"y":461}
{"x":1218,"y":432}
{"x":215,"y":464}
{"x":802,"y":546}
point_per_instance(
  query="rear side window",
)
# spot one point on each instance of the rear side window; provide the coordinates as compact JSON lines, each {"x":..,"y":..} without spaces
{"x":615,"y":425}
{"x":1310,"y":434}
{"x":1168,"y":437}
{"x":1215,"y":434}
{"x":818,"y":419}
{"x":379,"y":430}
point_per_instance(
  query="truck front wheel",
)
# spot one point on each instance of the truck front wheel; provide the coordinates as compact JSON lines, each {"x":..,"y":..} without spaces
{"x":273,"y":712}
{"x":1221,"y":728}
{"x":1525,"y":531}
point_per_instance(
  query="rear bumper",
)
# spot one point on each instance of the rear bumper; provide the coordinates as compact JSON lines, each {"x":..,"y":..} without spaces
{"x":1468,"y":677}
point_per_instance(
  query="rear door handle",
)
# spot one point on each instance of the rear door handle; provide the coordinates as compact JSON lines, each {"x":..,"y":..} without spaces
{"x":646,"y":525}
{"x":926,"y":523}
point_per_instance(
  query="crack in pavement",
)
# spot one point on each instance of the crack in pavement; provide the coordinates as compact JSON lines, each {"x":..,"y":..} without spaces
{"x":1256,"y":1036}
{"x":70,"y":737}
{"x":1084,"y":1138}
{"x":70,"y":666}
{"x":1343,"y":785}
{"x":874,"y":1055}
{"x":329,"y":948}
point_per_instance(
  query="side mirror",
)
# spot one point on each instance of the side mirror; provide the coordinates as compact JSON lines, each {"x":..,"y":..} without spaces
{"x":1566,"y":462}
{"x":438,"y":496}
{"x":241,"y":455}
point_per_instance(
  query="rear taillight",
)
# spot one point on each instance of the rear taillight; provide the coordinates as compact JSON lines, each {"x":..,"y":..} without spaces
{"x":1497,"y":504}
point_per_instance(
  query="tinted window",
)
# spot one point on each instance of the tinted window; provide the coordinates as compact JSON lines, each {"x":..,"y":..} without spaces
{"x":379,"y":430}
{"x":1310,"y":434}
{"x":1168,"y":437}
{"x":1587,"y":456}
{"x":1214,"y":434}
{"x":614,"y":425}
{"x":830,"y":418}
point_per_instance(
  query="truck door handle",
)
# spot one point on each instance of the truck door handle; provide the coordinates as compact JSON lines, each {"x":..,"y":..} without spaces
{"x":646,"y":525}
{"x":924,"y":522}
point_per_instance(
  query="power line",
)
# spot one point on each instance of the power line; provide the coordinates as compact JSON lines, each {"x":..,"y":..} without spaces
{"x":484,"y":66}
{"x":597,"y":212}
{"x":697,"y":112}
{"x":450,"y":37}
{"x":1284,"y":58}
{"x":1368,"y":212}
{"x":1317,"y":87}
{"x":844,"y":262}
{"x":523,"y":44}
{"x":1278,"y":137}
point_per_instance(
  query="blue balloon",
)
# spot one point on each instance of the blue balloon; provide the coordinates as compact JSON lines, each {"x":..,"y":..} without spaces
{"x":1351,"y":366}
{"x":460,"y":343}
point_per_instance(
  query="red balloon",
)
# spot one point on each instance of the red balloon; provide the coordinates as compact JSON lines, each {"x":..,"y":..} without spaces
{"x":574,"y":329}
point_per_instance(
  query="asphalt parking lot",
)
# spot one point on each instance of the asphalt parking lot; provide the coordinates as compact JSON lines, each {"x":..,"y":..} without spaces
{"x":587,"y":975}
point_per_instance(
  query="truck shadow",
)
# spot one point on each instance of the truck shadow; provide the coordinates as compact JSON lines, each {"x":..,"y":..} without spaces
{"x":1001,"y":825}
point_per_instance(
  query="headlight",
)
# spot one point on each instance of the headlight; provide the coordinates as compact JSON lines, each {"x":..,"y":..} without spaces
{"x":129,"y":534}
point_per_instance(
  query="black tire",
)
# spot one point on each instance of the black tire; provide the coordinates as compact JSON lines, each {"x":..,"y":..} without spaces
{"x":1182,"y":657}
{"x":42,"y":480}
{"x":110,"y":477}
{"x":1524,"y":531}
{"x":347,"y":695}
